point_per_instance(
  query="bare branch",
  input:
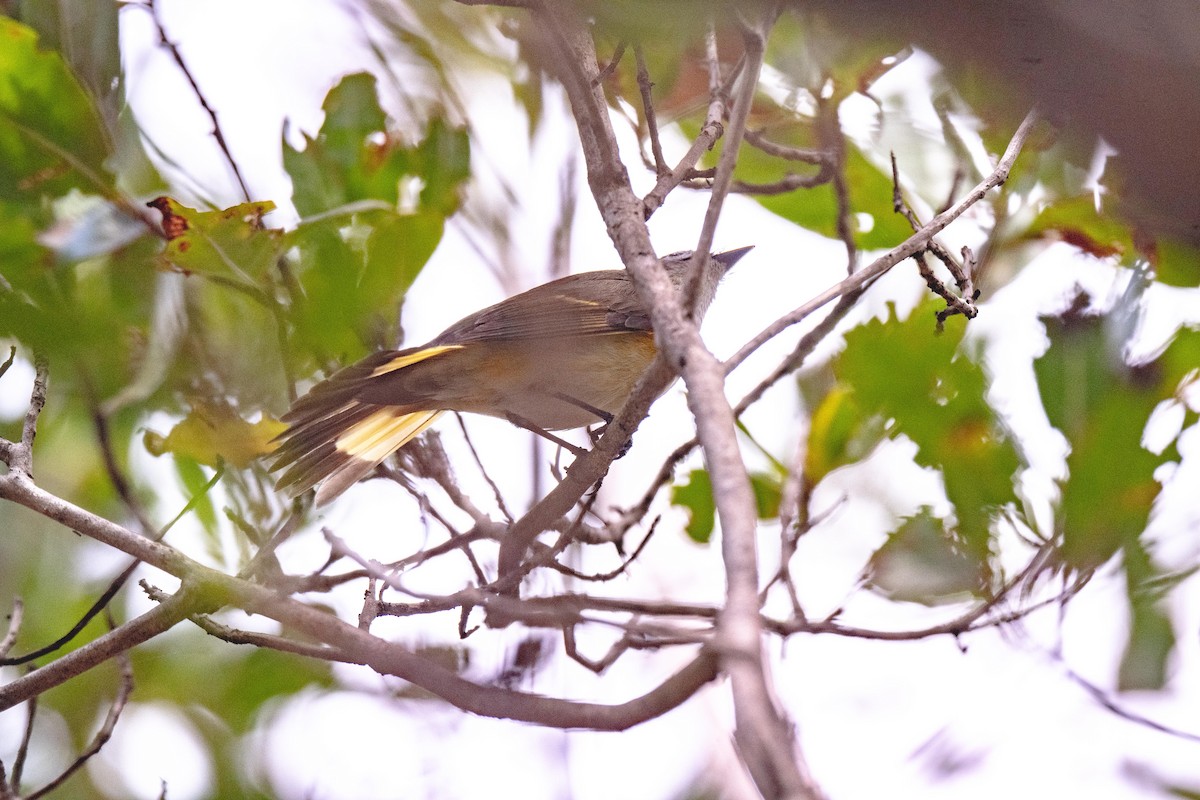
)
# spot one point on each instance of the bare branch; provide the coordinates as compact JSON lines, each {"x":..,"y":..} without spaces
{"x":729,"y":154}
{"x":909,"y":247}
{"x":710,"y":132}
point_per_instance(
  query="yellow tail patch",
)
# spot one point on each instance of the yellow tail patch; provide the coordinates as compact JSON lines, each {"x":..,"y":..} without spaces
{"x":377,"y":436}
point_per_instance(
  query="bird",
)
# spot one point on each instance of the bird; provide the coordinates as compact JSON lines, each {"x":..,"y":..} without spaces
{"x":565,"y":354}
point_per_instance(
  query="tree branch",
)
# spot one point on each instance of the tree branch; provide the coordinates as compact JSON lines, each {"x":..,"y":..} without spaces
{"x":124,"y":638}
{"x":906,"y":249}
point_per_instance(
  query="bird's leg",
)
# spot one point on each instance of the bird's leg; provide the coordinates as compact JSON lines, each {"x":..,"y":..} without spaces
{"x":521,"y":422}
{"x":588,"y":407}
{"x":593,"y":433}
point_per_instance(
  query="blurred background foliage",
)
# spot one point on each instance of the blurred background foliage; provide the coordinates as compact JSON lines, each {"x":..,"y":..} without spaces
{"x":185,"y":332}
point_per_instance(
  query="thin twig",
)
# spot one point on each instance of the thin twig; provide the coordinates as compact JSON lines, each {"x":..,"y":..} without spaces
{"x":500,"y":504}
{"x":602,"y":577}
{"x":218,"y":134}
{"x":22,"y":457}
{"x":904,"y":250}
{"x":115,"y":475}
{"x":124,"y":691}
{"x":611,"y":67}
{"x":26,"y":739}
{"x":833,"y":142}
{"x":728,"y":160}
{"x":804,"y":154}
{"x":645,"y":86}
{"x":710,"y":132}
{"x":15,"y":618}
{"x":155,"y":621}
{"x":113,"y":587}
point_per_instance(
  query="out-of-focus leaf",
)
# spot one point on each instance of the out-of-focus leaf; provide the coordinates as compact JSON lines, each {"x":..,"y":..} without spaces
{"x":766,"y":487}
{"x":230,"y":243}
{"x":355,"y":265}
{"x":211,"y":434}
{"x":1102,"y":405}
{"x":1151,"y":639}
{"x":840,"y":433}
{"x":1176,"y":263}
{"x":1076,"y":221}
{"x":195,"y":482}
{"x":904,"y":372}
{"x":237,"y":681}
{"x":696,"y":497}
{"x":920,"y":563}
{"x":398,"y":247}
{"x":813,"y":55}
{"x":353,"y":157}
{"x":51,"y":138}
{"x":23,"y":263}
{"x":352,"y":288}
{"x":443,"y":162}
{"x":85,"y":34}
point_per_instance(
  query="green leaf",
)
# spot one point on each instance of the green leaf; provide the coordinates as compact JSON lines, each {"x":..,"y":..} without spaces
{"x":696,"y":497}
{"x":51,"y":138}
{"x":444,"y":164}
{"x":353,"y":281}
{"x":840,"y":433}
{"x":196,"y":483}
{"x":353,"y":157}
{"x":230,"y":243}
{"x":1176,"y":263}
{"x":86,"y":35}
{"x":918,"y":380}
{"x":920,"y":563}
{"x":1102,"y":405}
{"x":1151,"y":639}
{"x":766,"y":487}
{"x":398,"y":248}
{"x":1076,"y":221}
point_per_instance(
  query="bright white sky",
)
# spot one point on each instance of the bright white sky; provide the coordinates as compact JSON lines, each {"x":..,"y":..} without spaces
{"x":996,"y":718}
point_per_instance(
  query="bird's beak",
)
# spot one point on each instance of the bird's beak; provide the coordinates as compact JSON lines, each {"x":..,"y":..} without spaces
{"x":731,"y":257}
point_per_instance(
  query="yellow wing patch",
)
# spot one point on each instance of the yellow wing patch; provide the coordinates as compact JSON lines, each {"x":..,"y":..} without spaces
{"x":408,"y":359}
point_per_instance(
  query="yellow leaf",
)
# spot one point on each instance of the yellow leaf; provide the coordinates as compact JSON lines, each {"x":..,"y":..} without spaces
{"x":212,"y":434}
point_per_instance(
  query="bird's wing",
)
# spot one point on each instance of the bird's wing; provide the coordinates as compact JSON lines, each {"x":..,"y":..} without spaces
{"x":579,"y":305}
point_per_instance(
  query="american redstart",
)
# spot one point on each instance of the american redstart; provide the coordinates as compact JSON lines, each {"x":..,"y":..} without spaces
{"x":562,"y":355}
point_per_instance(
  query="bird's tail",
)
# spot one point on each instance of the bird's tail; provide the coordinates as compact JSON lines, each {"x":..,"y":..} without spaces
{"x":343,"y":447}
{"x":335,"y":437}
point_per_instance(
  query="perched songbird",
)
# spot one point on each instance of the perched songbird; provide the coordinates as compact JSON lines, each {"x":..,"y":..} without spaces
{"x":562,"y":355}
